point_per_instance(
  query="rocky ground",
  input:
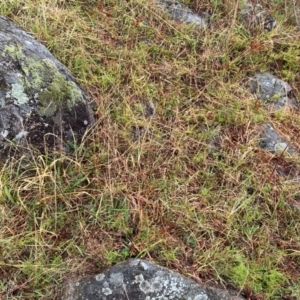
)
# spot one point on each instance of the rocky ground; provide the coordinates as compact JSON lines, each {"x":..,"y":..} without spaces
{"x":191,"y":160}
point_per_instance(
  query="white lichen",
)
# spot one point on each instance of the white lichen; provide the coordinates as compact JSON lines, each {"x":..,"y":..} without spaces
{"x":152,"y":286}
{"x":4,"y":133}
{"x":107,"y":291}
{"x":21,"y":134}
{"x":201,"y":297}
{"x":280,"y":147}
{"x":144,"y":265}
{"x":117,"y":279}
{"x":100,"y":277}
{"x":17,"y":92}
{"x":158,"y":298}
{"x":145,"y":287}
{"x":134,"y":262}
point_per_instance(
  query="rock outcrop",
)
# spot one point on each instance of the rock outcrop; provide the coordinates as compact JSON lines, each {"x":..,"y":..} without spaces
{"x":137,"y":279}
{"x":41,"y":105}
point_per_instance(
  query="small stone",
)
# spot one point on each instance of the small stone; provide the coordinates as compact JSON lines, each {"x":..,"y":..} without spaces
{"x":149,"y":109}
{"x":271,"y":141}
{"x":255,"y":15}
{"x":272,"y":91}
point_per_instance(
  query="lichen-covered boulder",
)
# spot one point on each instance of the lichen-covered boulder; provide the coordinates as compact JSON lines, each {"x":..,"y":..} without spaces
{"x":41,"y":105}
{"x":142,"y":280}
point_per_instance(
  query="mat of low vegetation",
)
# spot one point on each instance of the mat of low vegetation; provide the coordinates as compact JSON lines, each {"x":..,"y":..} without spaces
{"x":147,"y":181}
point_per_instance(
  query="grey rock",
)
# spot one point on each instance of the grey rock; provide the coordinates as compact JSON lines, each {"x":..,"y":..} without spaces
{"x":272,"y":91}
{"x":255,"y":15}
{"x":41,"y":105}
{"x":270,"y":140}
{"x":149,"y":109}
{"x":137,"y":279}
{"x":181,"y":13}
{"x":137,"y":133}
{"x":141,"y":132}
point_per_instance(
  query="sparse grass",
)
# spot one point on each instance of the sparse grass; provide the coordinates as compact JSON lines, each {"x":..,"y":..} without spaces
{"x":192,"y":191}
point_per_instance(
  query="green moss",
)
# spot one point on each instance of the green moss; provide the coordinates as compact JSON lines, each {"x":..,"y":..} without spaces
{"x":40,"y":72}
{"x":273,"y":279}
{"x":15,"y":52}
{"x":60,"y":93}
{"x":56,"y":91}
{"x":239,"y":273}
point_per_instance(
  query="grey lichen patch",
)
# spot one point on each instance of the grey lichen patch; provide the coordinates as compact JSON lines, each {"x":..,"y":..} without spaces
{"x":144,"y":265}
{"x":156,"y":285}
{"x":200,"y":297}
{"x":159,"y":298}
{"x":18,"y":93}
{"x":134,"y":262}
{"x":152,"y":286}
{"x":117,"y":279}
{"x":106,"y":291}
{"x":99,"y":277}
{"x":144,"y":285}
{"x":4,"y":133}
{"x":20,"y":135}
